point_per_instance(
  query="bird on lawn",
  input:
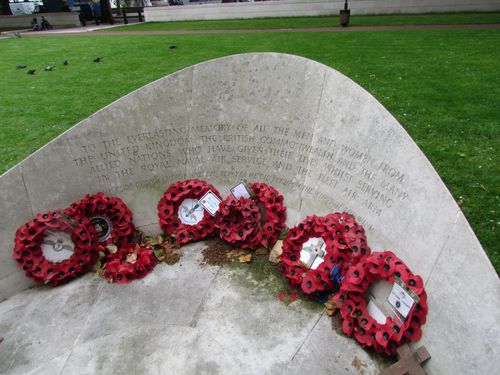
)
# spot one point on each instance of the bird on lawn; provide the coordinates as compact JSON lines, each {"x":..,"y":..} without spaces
{"x":17,"y":34}
{"x":21,"y":66}
{"x":65,"y":62}
{"x":98,"y":59}
{"x":49,"y":68}
{"x":31,"y":71}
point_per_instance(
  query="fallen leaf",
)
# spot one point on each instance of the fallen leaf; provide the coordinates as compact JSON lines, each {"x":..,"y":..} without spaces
{"x":159,"y":254}
{"x":235,"y":253}
{"x":112,"y":248}
{"x":97,"y":266}
{"x":329,"y":305}
{"x":276,"y":252}
{"x":245,"y":258}
{"x":358,"y":364}
{"x":460,"y":202}
{"x":132,"y":258}
{"x":330,"y":312}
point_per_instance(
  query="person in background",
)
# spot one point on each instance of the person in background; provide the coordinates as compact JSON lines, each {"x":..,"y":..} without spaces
{"x":44,"y":24}
{"x":34,"y":24}
{"x":96,"y":10}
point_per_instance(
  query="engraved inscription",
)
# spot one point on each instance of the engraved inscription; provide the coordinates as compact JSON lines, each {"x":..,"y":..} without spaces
{"x":331,"y":171}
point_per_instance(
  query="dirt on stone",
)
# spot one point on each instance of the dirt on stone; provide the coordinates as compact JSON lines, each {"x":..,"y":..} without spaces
{"x":336,"y":323}
{"x":165,"y":248}
{"x":358,"y":364}
{"x":216,"y":253}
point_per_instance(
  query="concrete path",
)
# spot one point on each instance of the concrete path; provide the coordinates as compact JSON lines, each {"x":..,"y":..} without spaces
{"x":181,"y":319}
{"x":89,"y":30}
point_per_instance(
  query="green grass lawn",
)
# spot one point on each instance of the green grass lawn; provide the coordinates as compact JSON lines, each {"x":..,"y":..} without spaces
{"x":443,"y":86}
{"x":312,"y":22}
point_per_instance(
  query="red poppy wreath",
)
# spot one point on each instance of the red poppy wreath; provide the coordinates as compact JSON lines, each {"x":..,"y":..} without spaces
{"x":109,"y":215}
{"x":320,"y":247}
{"x":55,"y":247}
{"x":351,"y":301}
{"x":252,"y":222}
{"x":180,"y":213}
{"x":274,"y":213}
{"x":238,"y":220}
{"x":130,"y":263}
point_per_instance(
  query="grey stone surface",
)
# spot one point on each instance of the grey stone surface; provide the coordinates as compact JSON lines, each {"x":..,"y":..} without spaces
{"x":319,"y":138}
{"x":325,"y":352}
{"x":16,"y":207}
{"x":464,"y":316}
{"x":186,"y":319}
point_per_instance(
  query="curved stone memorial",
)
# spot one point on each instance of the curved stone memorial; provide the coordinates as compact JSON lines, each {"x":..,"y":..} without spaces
{"x":325,"y":143}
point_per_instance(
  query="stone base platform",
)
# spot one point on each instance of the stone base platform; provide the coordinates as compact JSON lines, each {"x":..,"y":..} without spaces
{"x":187,"y":318}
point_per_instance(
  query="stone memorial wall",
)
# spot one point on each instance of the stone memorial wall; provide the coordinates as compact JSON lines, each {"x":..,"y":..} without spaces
{"x":298,"y":125}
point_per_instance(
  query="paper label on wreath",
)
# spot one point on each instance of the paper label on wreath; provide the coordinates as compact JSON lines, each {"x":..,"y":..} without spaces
{"x":313,"y":252}
{"x":210,"y":202}
{"x":401,"y":298}
{"x":240,"y":191}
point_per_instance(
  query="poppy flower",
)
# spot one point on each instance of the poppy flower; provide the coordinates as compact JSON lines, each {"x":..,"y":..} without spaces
{"x":363,"y":337}
{"x":309,"y":284}
{"x":383,"y":335}
{"x":347,"y":308}
{"x":347,"y":327}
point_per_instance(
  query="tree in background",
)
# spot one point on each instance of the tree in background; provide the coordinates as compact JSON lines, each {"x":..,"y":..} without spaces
{"x":5,"y":8}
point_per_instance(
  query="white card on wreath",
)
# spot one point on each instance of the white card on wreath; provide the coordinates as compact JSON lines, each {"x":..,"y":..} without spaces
{"x":240,"y":191}
{"x":210,"y":202}
{"x":401,"y":298}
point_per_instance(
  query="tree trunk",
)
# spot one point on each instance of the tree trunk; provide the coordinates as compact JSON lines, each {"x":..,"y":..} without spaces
{"x":6,"y":8}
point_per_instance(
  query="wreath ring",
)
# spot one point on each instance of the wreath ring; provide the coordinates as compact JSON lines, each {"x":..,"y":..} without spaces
{"x":170,"y":216}
{"x":345,"y":243}
{"x":273,"y":216}
{"x":48,"y":235}
{"x":351,"y":301}
{"x":238,"y":221}
{"x":109,"y":215}
{"x":130,"y":263}
{"x":252,"y":222}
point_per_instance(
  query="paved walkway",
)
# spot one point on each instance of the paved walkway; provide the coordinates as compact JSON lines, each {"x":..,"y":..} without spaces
{"x":89,"y":30}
